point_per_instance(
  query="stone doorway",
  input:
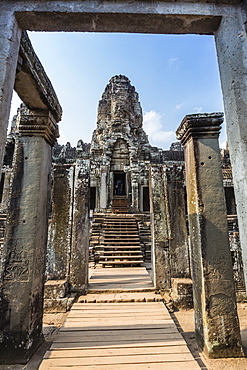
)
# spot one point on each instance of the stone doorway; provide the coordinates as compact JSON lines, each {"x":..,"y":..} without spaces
{"x":119,"y":183}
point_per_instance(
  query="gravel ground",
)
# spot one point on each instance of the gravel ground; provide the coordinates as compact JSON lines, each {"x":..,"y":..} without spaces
{"x":185,"y":319}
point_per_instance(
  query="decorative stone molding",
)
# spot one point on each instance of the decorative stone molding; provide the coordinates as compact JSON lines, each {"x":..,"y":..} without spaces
{"x":199,"y":125}
{"x":38,"y":123}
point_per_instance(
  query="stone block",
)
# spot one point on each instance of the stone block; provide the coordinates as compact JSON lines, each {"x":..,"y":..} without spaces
{"x":181,"y":294}
{"x":56,"y":289}
{"x":59,"y":304}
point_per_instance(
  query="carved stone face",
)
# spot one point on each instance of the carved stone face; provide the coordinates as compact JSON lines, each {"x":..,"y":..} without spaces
{"x":119,"y":110}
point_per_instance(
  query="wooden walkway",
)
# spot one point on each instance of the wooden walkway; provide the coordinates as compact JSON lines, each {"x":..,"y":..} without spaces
{"x":120,"y":279}
{"x":119,"y":336}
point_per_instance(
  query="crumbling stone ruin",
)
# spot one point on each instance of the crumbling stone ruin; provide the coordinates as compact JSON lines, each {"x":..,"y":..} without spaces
{"x":116,"y":172}
{"x":118,"y":201}
{"x":24,"y":250}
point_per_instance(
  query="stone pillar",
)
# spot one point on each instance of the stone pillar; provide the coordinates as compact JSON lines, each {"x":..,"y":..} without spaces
{"x":231,"y":43}
{"x":59,"y":240}
{"x":216,"y":320}
{"x":103,"y":191}
{"x":80,"y":230}
{"x":21,"y":303}
{"x":159,"y":230}
{"x":10,"y":35}
{"x":176,"y":219}
{"x":135,"y":193}
{"x":6,"y":189}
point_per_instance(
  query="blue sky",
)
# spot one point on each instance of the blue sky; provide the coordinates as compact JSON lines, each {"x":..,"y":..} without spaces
{"x":174,"y":76}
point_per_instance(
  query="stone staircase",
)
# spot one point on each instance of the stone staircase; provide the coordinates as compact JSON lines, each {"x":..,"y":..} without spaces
{"x":143,"y":223}
{"x":115,"y":240}
{"x":120,"y":204}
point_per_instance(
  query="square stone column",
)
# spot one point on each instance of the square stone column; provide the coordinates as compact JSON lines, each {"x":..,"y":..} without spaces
{"x":78,"y":275}
{"x":216,"y":320}
{"x":22,"y":283}
{"x":159,"y":229}
{"x":60,"y":226}
{"x":176,"y":220}
{"x":103,"y":190}
{"x":231,"y":43}
{"x":10,"y":35}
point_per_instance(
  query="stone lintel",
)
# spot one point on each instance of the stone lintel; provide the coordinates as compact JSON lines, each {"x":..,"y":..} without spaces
{"x":32,"y":83}
{"x":38,"y":123}
{"x":199,"y":126}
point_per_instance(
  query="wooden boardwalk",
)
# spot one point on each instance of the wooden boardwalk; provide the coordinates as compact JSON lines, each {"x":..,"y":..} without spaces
{"x":120,"y":279}
{"x":119,"y":336}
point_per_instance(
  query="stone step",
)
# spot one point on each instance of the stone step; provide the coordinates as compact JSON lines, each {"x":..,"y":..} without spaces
{"x":120,"y":224}
{"x":129,"y":256}
{"x":116,"y":227}
{"x":119,"y":251}
{"x":125,"y":231}
{"x":120,"y":243}
{"x":121,"y":247}
{"x":113,"y":262}
{"x":117,"y":237}
{"x":121,"y":240}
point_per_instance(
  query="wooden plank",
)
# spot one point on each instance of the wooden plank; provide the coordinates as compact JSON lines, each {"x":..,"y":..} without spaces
{"x":123,"y":359}
{"x":129,"y":332}
{"x":110,"y":323}
{"x":116,"y":351}
{"x":120,"y":308}
{"x":125,"y":320}
{"x":149,"y":366}
{"x":121,"y":319}
{"x":77,"y":336}
{"x":109,"y":313}
{"x":109,"y":327}
{"x":140,"y":343}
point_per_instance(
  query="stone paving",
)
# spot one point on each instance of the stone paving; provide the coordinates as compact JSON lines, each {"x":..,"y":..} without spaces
{"x":119,"y":334}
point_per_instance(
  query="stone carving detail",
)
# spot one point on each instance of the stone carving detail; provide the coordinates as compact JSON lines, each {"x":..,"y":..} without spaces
{"x":18,"y":267}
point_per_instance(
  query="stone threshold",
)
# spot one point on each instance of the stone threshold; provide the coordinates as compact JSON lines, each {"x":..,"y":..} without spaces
{"x":118,"y":297}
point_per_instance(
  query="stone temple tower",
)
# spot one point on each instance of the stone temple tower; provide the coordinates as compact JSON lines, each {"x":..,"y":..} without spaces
{"x":120,"y":151}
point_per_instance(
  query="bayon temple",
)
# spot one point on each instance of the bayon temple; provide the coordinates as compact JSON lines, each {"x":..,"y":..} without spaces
{"x":116,"y":202}
{"x":113,"y":176}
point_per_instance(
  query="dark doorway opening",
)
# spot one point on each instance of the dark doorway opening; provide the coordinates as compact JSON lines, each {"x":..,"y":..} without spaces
{"x":146,"y":203}
{"x":1,"y":187}
{"x":230,"y":201}
{"x":92,"y":197}
{"x":119,"y":183}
